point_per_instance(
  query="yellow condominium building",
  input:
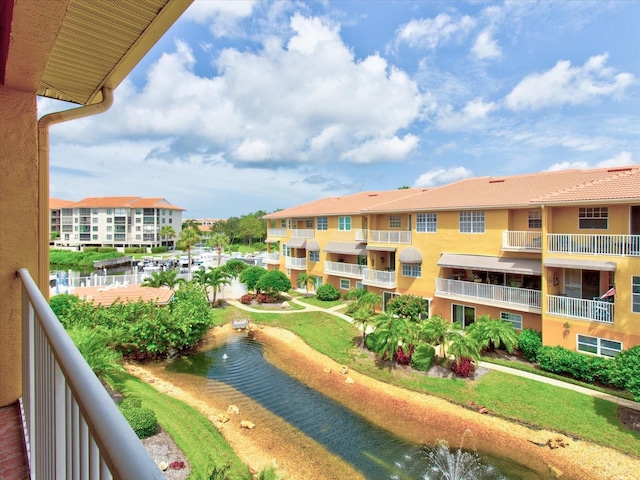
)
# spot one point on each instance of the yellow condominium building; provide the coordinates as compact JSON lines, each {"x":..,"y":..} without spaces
{"x":558,"y":252}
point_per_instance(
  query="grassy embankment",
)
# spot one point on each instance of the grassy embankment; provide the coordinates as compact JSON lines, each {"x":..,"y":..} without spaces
{"x":519,"y":399}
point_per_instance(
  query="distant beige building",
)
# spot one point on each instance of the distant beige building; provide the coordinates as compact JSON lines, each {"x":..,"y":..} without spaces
{"x":113,"y":222}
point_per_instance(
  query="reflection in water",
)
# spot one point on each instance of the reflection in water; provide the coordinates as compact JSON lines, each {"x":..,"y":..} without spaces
{"x":377,"y":453}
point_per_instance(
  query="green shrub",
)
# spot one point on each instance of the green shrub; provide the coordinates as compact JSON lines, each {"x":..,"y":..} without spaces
{"x":408,"y":306}
{"x":107,"y":249}
{"x":62,"y":304}
{"x":422,"y":358}
{"x":327,"y":293}
{"x":131,"y":401}
{"x":159,"y":249}
{"x":90,"y":249}
{"x":577,"y":365}
{"x":625,"y":371}
{"x":130,"y":250}
{"x":354,"y":293}
{"x":142,"y":420}
{"x":370,"y":341}
{"x":93,"y":344}
{"x":530,"y":343}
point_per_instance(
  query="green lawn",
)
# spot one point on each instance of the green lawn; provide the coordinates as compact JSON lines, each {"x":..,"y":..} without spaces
{"x":313,"y":300}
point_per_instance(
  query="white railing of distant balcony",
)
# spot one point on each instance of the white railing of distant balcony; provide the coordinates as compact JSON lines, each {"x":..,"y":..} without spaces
{"x":277,"y":232}
{"x":527,"y":240}
{"x":272,"y":258}
{"x":361,"y":235}
{"x":73,"y":427}
{"x":617,"y":245}
{"x":294,"y":262}
{"x":592,"y":310}
{"x":379,"y":278}
{"x":303,"y":233}
{"x":389,"y":236}
{"x":517,"y":296}
{"x":341,"y":268}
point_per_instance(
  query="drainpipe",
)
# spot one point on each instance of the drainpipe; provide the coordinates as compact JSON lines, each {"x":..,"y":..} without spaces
{"x":43,"y":177}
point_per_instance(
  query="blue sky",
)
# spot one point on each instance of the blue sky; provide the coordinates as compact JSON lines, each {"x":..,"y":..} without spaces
{"x":260,"y":105}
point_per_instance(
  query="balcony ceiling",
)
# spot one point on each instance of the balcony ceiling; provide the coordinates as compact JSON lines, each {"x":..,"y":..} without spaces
{"x":70,"y":49}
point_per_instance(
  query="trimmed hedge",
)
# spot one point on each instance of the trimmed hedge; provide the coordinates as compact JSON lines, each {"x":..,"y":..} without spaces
{"x":142,"y":420}
{"x":327,"y":293}
{"x":159,"y":249}
{"x":422,"y":358}
{"x":530,"y":343}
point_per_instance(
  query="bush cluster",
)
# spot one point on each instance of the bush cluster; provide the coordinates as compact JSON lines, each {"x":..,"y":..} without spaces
{"x":464,"y":367}
{"x":142,"y":420}
{"x":327,"y":293}
{"x":423,"y":356}
{"x":107,"y":250}
{"x":403,"y":358}
{"x":264,"y":298}
{"x":158,"y":250}
{"x":530,"y":343}
{"x":573,"y":364}
{"x":129,"y":250}
{"x":246,"y":299}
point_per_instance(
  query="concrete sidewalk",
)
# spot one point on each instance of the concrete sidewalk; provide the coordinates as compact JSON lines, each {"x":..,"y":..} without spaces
{"x":490,"y":366}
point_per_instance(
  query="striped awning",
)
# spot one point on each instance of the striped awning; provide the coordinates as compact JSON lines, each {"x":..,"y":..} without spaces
{"x":410,"y":255}
{"x":491,"y":264}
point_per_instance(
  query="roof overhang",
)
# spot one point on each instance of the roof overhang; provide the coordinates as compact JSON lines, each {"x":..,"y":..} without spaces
{"x":580,"y":264}
{"x":491,"y":264}
{"x":345,"y":248}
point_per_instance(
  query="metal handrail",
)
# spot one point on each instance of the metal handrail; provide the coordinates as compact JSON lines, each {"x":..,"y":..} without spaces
{"x":73,"y":427}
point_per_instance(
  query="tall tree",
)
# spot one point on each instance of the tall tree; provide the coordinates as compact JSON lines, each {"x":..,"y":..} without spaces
{"x":251,"y":228}
{"x":306,"y":279}
{"x":188,"y":237}
{"x":167,"y":231}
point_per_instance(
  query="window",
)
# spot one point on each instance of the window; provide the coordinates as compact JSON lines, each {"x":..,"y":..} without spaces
{"x":109,"y":229}
{"x":472,"y":222}
{"x":514,"y":318}
{"x":94,"y":211}
{"x":635,"y":294}
{"x":94,"y":220}
{"x":599,"y":346}
{"x":426,"y":222}
{"x":109,"y":237}
{"x":395,"y":221}
{"x":283,"y":224}
{"x":344,"y":223}
{"x":109,"y":219}
{"x":411,"y":270}
{"x":109,"y":211}
{"x":138,"y":220}
{"x":94,"y":229}
{"x":593,"y":218}
{"x":535,"y":219}
{"x":314,"y":256}
{"x":138,"y":211}
{"x":308,"y":223}
{"x":322,"y":223}
{"x":138,"y":229}
{"x":286,"y":251}
{"x":463,"y":314}
{"x":95,"y":237}
{"x":170,"y":212}
{"x":170,"y":220}
{"x":345,"y":284}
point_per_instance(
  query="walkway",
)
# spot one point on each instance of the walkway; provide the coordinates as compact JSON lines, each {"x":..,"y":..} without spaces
{"x":513,"y":371}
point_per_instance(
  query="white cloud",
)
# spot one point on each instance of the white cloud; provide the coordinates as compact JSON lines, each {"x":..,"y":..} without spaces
{"x":473,"y":113}
{"x":622,"y":159}
{"x":382,"y":149}
{"x":222,"y":16}
{"x":441,"y":176}
{"x":567,"y":85}
{"x":485,"y":46}
{"x":429,"y":33}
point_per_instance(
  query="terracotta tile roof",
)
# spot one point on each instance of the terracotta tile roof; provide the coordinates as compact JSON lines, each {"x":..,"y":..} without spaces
{"x":347,"y":205}
{"x":133,"y":293}
{"x":57,"y":203}
{"x":123,"y":202}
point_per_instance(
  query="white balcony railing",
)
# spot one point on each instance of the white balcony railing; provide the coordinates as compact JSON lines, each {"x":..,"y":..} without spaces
{"x":294,"y":262}
{"x":73,"y":427}
{"x":389,"y":236}
{"x":272,"y":258}
{"x":617,"y":245}
{"x":361,"y":235}
{"x":379,"y":278}
{"x":592,"y":310}
{"x":277,"y":232}
{"x":303,"y":233}
{"x":527,"y":240}
{"x":341,"y":268}
{"x":497,"y":293}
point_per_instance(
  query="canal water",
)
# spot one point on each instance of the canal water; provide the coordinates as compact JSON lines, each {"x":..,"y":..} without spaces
{"x":378,"y":454}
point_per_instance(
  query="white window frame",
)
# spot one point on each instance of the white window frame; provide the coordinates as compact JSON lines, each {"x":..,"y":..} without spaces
{"x":344,"y":224}
{"x":395,"y":221}
{"x":535,"y":219}
{"x":427,"y":222}
{"x":635,"y":294}
{"x":345,"y":284}
{"x":596,"y":343}
{"x":314,"y":256}
{"x":464,"y":307}
{"x":413,"y":270}
{"x":587,"y":215}
{"x":322,"y":223}
{"x":514,"y":318}
{"x":472,"y":221}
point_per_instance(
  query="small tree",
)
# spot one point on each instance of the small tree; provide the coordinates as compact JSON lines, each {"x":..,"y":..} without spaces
{"x":219,"y":241}
{"x":408,"y":306}
{"x":462,"y":345}
{"x":491,"y":333}
{"x":235,"y":267}
{"x":188,"y":237}
{"x":306,"y":279}
{"x":251,"y":275}
{"x":273,"y":283}
{"x":167,"y":232}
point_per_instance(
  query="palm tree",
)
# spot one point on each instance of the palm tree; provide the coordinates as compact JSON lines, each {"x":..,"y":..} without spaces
{"x":491,"y":332}
{"x":167,"y":278}
{"x":220,"y":241}
{"x":463,"y":345}
{"x":189,"y":236}
{"x":305,"y":279}
{"x":167,"y":232}
{"x":369,"y":301}
{"x":434,"y":331}
{"x":362,"y":317}
{"x":390,"y":334}
{"x":216,"y":279}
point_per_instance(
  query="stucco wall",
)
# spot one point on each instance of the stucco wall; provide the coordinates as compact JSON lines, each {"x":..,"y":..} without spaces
{"x":18,"y":226}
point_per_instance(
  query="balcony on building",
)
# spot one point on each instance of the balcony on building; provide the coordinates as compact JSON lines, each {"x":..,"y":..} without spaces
{"x":272,"y":258}
{"x":345,"y":259}
{"x":522,"y":241}
{"x":379,"y":278}
{"x":594,"y":244}
{"x":389,"y":236}
{"x":581,"y":289}
{"x":513,"y":283}
{"x":276,"y":232}
{"x":296,"y":263}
